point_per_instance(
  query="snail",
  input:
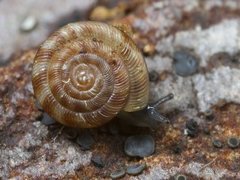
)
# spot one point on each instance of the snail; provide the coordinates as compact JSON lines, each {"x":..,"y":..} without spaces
{"x":87,"y":73}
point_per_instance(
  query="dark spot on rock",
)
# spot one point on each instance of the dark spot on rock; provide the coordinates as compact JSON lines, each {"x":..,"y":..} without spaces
{"x":136,"y":169}
{"x":97,"y":161}
{"x":192,"y":128}
{"x":185,"y":63}
{"x":235,"y":165}
{"x":70,"y":133}
{"x":85,"y":140}
{"x":219,"y":59}
{"x":233,"y":142}
{"x":217,"y":143}
{"x":236,"y":58}
{"x":177,"y":148}
{"x":47,"y":120}
{"x":139,"y":145}
{"x":180,"y":177}
{"x":118,"y":174}
{"x":206,"y":130}
{"x":153,"y":76}
{"x":113,"y":128}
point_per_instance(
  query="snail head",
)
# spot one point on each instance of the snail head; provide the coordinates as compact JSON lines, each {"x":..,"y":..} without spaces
{"x":147,"y":117}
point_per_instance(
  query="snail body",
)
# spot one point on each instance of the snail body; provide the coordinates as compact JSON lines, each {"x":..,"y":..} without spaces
{"x":86,"y":73}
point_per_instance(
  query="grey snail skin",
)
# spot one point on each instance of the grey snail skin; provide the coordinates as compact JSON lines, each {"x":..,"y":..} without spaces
{"x":86,"y":73}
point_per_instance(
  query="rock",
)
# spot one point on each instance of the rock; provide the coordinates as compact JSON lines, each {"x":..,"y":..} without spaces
{"x":139,"y":145}
{"x":233,"y":142}
{"x":85,"y":140}
{"x":217,"y":143}
{"x":47,"y":120}
{"x":192,"y":128}
{"x":136,"y":169}
{"x":185,"y":63}
{"x":97,"y":161}
{"x":180,"y":177}
{"x":218,"y":85}
{"x":118,"y":174}
{"x":28,"y":24}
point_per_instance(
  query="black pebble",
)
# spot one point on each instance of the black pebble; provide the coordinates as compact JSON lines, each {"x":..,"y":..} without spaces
{"x":185,"y":63}
{"x":217,"y":143}
{"x":118,"y":174}
{"x":180,"y":177}
{"x":47,"y":120}
{"x":139,"y":146}
{"x":153,"y":76}
{"x":97,"y":161}
{"x":209,"y":115}
{"x":233,"y":142}
{"x":136,"y":169}
{"x":85,"y":140}
{"x":192,"y":128}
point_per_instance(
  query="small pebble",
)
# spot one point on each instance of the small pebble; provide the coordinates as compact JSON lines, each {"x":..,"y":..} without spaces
{"x":118,"y":174}
{"x":139,"y":145}
{"x":180,"y":177}
{"x":149,"y":49}
{"x":206,"y":130}
{"x":85,"y":140}
{"x":136,"y":169}
{"x":100,"y":13}
{"x":28,"y":24}
{"x":153,"y":76}
{"x":192,"y":128}
{"x":97,"y":161}
{"x":47,"y":120}
{"x":233,"y":142}
{"x":217,"y":143}
{"x":185,"y":63}
{"x":209,"y":115}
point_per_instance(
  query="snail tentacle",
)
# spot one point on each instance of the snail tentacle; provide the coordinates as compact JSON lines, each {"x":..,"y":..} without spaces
{"x":153,"y":112}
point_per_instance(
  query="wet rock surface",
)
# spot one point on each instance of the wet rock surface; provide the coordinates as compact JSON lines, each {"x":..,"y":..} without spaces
{"x":210,"y":29}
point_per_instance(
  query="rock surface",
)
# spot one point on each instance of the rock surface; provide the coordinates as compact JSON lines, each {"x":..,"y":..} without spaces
{"x":209,"y":29}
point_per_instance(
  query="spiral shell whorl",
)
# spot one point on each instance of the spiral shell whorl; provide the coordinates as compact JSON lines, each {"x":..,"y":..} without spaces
{"x":85,"y":73}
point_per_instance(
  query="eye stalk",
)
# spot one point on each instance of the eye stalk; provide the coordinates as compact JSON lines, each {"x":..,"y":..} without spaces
{"x":147,"y":117}
{"x":152,"y":109}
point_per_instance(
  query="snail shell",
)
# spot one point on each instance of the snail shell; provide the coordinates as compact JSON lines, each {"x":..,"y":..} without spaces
{"x":86,"y":73}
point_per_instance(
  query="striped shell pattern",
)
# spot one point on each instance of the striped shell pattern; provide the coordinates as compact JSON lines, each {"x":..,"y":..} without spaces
{"x":86,"y":73}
